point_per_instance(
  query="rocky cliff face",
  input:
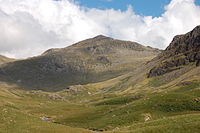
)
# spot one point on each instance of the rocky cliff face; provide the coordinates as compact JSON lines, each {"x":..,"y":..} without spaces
{"x":183,"y":50}
{"x":92,"y":60}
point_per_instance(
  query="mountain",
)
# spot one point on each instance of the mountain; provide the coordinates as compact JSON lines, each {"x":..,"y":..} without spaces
{"x":144,"y":101}
{"x":4,"y":59}
{"x":183,"y":50}
{"x":179,"y":62}
{"x":92,"y":60}
{"x":161,"y":95}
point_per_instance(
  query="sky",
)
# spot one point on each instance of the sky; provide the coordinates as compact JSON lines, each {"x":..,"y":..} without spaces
{"x":30,"y":27}
{"x":142,"y":7}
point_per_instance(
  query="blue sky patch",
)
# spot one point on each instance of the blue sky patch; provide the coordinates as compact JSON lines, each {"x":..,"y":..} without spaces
{"x":142,"y":7}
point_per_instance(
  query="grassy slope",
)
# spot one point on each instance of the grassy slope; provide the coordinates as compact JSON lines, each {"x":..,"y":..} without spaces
{"x":174,"y":97}
{"x":109,"y":105}
{"x":178,"y":124}
{"x":16,"y":113}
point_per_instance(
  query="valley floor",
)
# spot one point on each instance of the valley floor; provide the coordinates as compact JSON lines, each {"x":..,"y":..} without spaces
{"x":169,"y":110}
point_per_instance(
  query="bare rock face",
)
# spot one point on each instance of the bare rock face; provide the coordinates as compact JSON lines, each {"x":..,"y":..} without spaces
{"x":184,"y":49}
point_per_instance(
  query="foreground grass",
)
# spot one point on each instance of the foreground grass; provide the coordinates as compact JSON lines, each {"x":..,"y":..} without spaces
{"x":189,"y":123}
{"x":14,"y":121}
{"x":20,"y":113}
{"x":126,"y":110}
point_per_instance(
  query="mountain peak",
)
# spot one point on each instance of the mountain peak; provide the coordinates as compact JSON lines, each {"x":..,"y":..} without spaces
{"x":92,"y":60}
{"x":100,"y":37}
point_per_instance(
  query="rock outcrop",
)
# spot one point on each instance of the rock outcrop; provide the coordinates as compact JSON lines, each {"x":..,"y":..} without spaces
{"x":183,"y":50}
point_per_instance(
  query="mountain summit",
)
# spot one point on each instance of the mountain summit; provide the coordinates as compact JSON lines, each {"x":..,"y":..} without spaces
{"x":92,"y":60}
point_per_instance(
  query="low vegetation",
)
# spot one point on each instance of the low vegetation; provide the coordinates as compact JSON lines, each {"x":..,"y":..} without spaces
{"x":175,"y":108}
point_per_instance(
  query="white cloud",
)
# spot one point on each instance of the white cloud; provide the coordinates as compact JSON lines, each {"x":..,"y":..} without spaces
{"x":28,"y":27}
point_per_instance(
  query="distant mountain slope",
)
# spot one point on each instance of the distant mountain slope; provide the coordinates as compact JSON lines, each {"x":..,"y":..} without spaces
{"x":96,"y":59}
{"x":4,"y":59}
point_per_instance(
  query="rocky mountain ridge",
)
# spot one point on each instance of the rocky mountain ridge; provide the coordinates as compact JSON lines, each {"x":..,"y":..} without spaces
{"x":183,"y":50}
